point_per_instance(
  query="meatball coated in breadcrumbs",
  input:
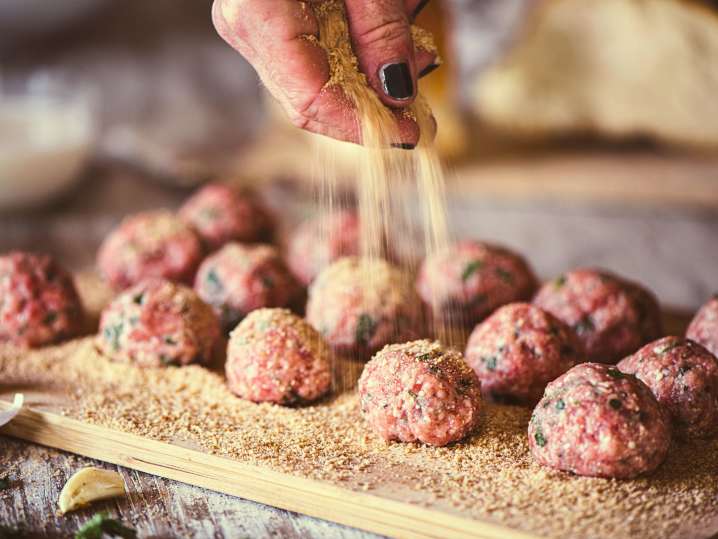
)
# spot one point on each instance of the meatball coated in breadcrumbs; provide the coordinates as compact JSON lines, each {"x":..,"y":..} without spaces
{"x":518,"y":350}
{"x":360,"y":305}
{"x":148,"y":245}
{"x":221,"y":213}
{"x":157,"y":323}
{"x":684,"y":378}
{"x":322,"y":240}
{"x":703,"y":329}
{"x":275,"y":356}
{"x":238,"y":279}
{"x":420,"y":391}
{"x":465,"y":283}
{"x":38,"y":301}
{"x":596,"y":421}
{"x":613,"y":317}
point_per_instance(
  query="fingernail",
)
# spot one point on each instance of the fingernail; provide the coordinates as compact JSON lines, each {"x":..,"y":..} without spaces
{"x":396,"y":80}
{"x":428,"y":69}
{"x":418,"y":9}
{"x":403,"y":146}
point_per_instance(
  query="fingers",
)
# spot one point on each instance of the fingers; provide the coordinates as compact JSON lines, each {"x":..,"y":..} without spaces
{"x":382,"y":41}
{"x":414,"y":7}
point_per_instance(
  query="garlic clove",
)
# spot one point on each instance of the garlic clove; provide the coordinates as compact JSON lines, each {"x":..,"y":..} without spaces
{"x":89,"y":485}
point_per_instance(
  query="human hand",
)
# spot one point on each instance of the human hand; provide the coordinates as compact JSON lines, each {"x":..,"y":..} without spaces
{"x":271,"y":35}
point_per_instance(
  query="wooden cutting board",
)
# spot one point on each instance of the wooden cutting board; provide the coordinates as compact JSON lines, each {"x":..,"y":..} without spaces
{"x":321,"y":461}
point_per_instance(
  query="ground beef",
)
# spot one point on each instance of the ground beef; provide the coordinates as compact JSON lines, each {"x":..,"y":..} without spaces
{"x":704,"y":326}
{"x":157,"y":323}
{"x":613,"y":317}
{"x":238,"y":279}
{"x":275,"y":356}
{"x":420,"y":391}
{"x":465,"y":283}
{"x":150,"y":244}
{"x":518,"y":350}
{"x":221,"y":213}
{"x":38,"y":301}
{"x":684,"y":378}
{"x":594,"y":420}
{"x":322,"y":240}
{"x":360,"y":305}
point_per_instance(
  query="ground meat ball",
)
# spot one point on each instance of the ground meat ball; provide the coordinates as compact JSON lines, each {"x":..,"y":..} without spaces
{"x":518,"y":350}
{"x":275,"y":356}
{"x":221,"y":213}
{"x":612,"y":317}
{"x":704,"y":326}
{"x":465,"y":283}
{"x":38,"y":301}
{"x":238,"y":279}
{"x":156,"y":323}
{"x":322,"y":240}
{"x":594,"y":420}
{"x":684,"y":378}
{"x":360,"y":305}
{"x":150,"y":244}
{"x":420,"y":391}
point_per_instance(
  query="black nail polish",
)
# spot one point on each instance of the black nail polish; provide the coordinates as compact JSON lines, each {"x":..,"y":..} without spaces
{"x":428,"y":69}
{"x":418,"y":8}
{"x":403,"y":146}
{"x":396,"y":80}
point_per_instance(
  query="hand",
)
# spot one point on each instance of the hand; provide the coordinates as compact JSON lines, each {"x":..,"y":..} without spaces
{"x":271,"y":35}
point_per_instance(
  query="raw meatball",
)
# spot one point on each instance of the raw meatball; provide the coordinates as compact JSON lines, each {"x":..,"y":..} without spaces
{"x":360,"y":305}
{"x":594,"y":420}
{"x":156,"y":323}
{"x":518,"y":350}
{"x":420,"y":391}
{"x":275,"y":356}
{"x":322,"y":240}
{"x":238,"y":279}
{"x":221,"y":213}
{"x":613,"y":317}
{"x":465,"y":283}
{"x":38,"y":301}
{"x":150,"y":244}
{"x":704,"y":326}
{"x":684,"y":378}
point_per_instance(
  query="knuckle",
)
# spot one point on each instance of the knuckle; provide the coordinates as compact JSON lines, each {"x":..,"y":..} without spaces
{"x":387,"y":32}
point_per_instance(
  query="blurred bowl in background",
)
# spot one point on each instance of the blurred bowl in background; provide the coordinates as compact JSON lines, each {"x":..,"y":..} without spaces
{"x":38,"y":17}
{"x":46,"y":139}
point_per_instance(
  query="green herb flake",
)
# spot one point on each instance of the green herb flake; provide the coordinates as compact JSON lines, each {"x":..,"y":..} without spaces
{"x":50,"y":317}
{"x":560,"y":404}
{"x":169,"y":340}
{"x":139,"y":298}
{"x":214,"y":281}
{"x":365,"y":329}
{"x":505,"y":276}
{"x":666,"y":347}
{"x":559,"y":281}
{"x":4,"y":483}
{"x":585,"y":325}
{"x":424,"y":357}
{"x":101,"y":524}
{"x":615,"y":404}
{"x":615,"y":373}
{"x":166,"y":360}
{"x":471,"y":268}
{"x":113,"y":334}
{"x":490,"y":362}
{"x":267,"y":282}
{"x":539,"y":437}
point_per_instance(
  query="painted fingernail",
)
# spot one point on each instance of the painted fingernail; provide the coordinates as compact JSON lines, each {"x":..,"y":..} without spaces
{"x":428,"y":69}
{"x":418,"y":9}
{"x":403,"y":146}
{"x":396,"y":80}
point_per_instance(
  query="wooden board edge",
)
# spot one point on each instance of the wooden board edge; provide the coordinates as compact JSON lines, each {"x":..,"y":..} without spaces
{"x":310,"y":497}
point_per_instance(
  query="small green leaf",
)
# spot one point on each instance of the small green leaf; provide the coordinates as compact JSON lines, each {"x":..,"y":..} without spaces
{"x":505,"y":276}
{"x":490,"y":362}
{"x":113,"y":334}
{"x":559,"y":281}
{"x":471,"y":268}
{"x":214,"y":281}
{"x":50,"y":317}
{"x":365,"y":329}
{"x":585,"y":325}
{"x":169,"y":340}
{"x":267,"y":281}
{"x":539,"y":437}
{"x":666,"y":347}
{"x":560,"y":404}
{"x":615,"y":373}
{"x":615,"y":404}
{"x":139,"y":298}
{"x":101,"y":524}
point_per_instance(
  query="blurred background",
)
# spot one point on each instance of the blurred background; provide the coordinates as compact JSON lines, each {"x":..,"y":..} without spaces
{"x":579,"y":133}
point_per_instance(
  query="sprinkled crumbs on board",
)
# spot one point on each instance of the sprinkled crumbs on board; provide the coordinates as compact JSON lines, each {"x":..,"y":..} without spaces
{"x":490,"y":476}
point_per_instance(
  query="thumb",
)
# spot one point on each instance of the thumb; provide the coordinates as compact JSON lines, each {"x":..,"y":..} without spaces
{"x":381,"y":37}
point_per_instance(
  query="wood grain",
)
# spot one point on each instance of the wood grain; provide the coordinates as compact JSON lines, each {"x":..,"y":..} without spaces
{"x":313,"y":498}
